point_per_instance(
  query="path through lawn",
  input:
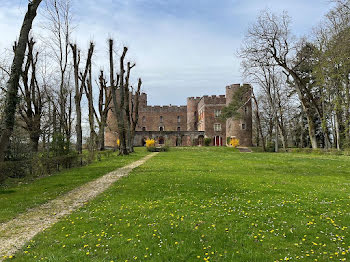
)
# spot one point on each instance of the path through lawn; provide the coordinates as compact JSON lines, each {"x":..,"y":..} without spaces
{"x":15,"y":233}
{"x":211,"y":204}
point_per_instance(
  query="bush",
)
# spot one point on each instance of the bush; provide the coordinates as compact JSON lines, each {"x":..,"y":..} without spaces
{"x":165,"y":148}
{"x":234,"y":142}
{"x":346,"y":152}
{"x":158,"y":149}
{"x":151,"y":149}
{"x":150,"y":143}
{"x":39,"y":165}
{"x":207,"y":141}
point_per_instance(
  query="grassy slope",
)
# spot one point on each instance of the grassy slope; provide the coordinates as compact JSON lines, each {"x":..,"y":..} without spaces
{"x":191,"y":204}
{"x":15,"y":200}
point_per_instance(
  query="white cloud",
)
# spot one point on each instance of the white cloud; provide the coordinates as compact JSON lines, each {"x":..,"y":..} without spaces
{"x":177,"y":55}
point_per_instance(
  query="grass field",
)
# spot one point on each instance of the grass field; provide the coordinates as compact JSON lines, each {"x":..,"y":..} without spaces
{"x":211,"y":204}
{"x":16,"y":199}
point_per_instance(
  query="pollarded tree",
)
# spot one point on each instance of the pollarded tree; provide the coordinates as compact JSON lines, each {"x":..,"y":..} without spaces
{"x":78,"y":76}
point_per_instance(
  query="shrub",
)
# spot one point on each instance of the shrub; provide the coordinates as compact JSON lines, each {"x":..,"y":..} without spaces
{"x":150,"y":143}
{"x":318,"y":151}
{"x":207,"y":141}
{"x":158,"y":149}
{"x":165,"y":148}
{"x":234,"y":142}
{"x":346,"y":152}
{"x":151,"y":149}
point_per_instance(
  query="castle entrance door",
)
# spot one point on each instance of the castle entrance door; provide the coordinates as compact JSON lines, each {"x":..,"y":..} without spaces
{"x":218,"y":141}
{"x":161,"y":140}
{"x":201,"y":140}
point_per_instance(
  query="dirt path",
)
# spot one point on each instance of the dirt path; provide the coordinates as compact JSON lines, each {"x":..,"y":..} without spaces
{"x":17,"y":232}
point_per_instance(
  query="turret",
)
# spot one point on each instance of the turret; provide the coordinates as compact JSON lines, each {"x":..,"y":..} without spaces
{"x":192,"y":114}
{"x":240,"y":128}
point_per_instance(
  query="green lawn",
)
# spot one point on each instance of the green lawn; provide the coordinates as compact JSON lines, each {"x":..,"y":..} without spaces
{"x":17,"y":199}
{"x":211,"y":204}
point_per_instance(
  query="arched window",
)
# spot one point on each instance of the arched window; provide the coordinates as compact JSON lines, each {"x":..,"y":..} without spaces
{"x":178,"y":119}
{"x":178,"y":128}
{"x":143,"y":119}
{"x":161,"y":119}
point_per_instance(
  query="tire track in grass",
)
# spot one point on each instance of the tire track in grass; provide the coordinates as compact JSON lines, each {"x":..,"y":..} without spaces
{"x":15,"y":233}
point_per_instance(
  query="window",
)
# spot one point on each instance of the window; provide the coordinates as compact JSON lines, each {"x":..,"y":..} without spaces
{"x":178,"y":119}
{"x":143,"y":119}
{"x":217,"y":127}
{"x":217,"y":112}
{"x":178,"y":128}
{"x":161,"y":119}
{"x":243,"y":127}
{"x":144,"y":128}
{"x":161,"y":128}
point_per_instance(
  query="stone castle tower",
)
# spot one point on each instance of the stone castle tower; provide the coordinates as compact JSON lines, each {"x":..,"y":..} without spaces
{"x":192,"y":113}
{"x":240,"y":128}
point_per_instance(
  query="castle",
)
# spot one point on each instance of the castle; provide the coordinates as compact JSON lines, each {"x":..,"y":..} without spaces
{"x":189,"y":125}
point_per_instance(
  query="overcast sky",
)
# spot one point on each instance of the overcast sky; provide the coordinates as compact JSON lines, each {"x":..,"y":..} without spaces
{"x":182,"y":47}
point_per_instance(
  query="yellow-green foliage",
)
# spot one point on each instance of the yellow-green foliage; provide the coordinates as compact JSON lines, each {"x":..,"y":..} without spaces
{"x":234,"y":142}
{"x":150,"y":142}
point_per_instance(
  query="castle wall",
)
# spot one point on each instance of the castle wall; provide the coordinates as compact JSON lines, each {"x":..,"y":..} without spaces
{"x":187,"y":125}
{"x":207,"y":118}
{"x":170,"y":138}
{"x":240,"y":128}
{"x":173,"y":117}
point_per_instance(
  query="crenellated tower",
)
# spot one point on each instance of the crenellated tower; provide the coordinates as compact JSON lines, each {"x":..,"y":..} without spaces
{"x":192,"y":113}
{"x":240,"y":128}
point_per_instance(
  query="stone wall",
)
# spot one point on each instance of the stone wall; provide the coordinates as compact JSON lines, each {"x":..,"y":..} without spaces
{"x":171,"y":118}
{"x":171,"y":138}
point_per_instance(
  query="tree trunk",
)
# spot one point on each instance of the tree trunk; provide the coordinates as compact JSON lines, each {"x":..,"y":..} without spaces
{"x":13,"y":83}
{"x":122,"y":131}
{"x":337,"y":129}
{"x":91,"y":110}
{"x":135,"y":113}
{"x":259,"y":122}
{"x":77,"y":100}
{"x":34,"y":139}
{"x":101,"y":136}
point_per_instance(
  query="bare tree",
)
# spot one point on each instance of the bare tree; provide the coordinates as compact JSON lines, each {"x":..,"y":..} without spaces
{"x":269,"y":39}
{"x":127,"y":104}
{"x":118,"y":95}
{"x":15,"y":73}
{"x":59,"y":25}
{"x":258,"y":120}
{"x":104,"y":105}
{"x":89,"y":96}
{"x":134,"y":114}
{"x":31,"y":108}
{"x":79,"y":89}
